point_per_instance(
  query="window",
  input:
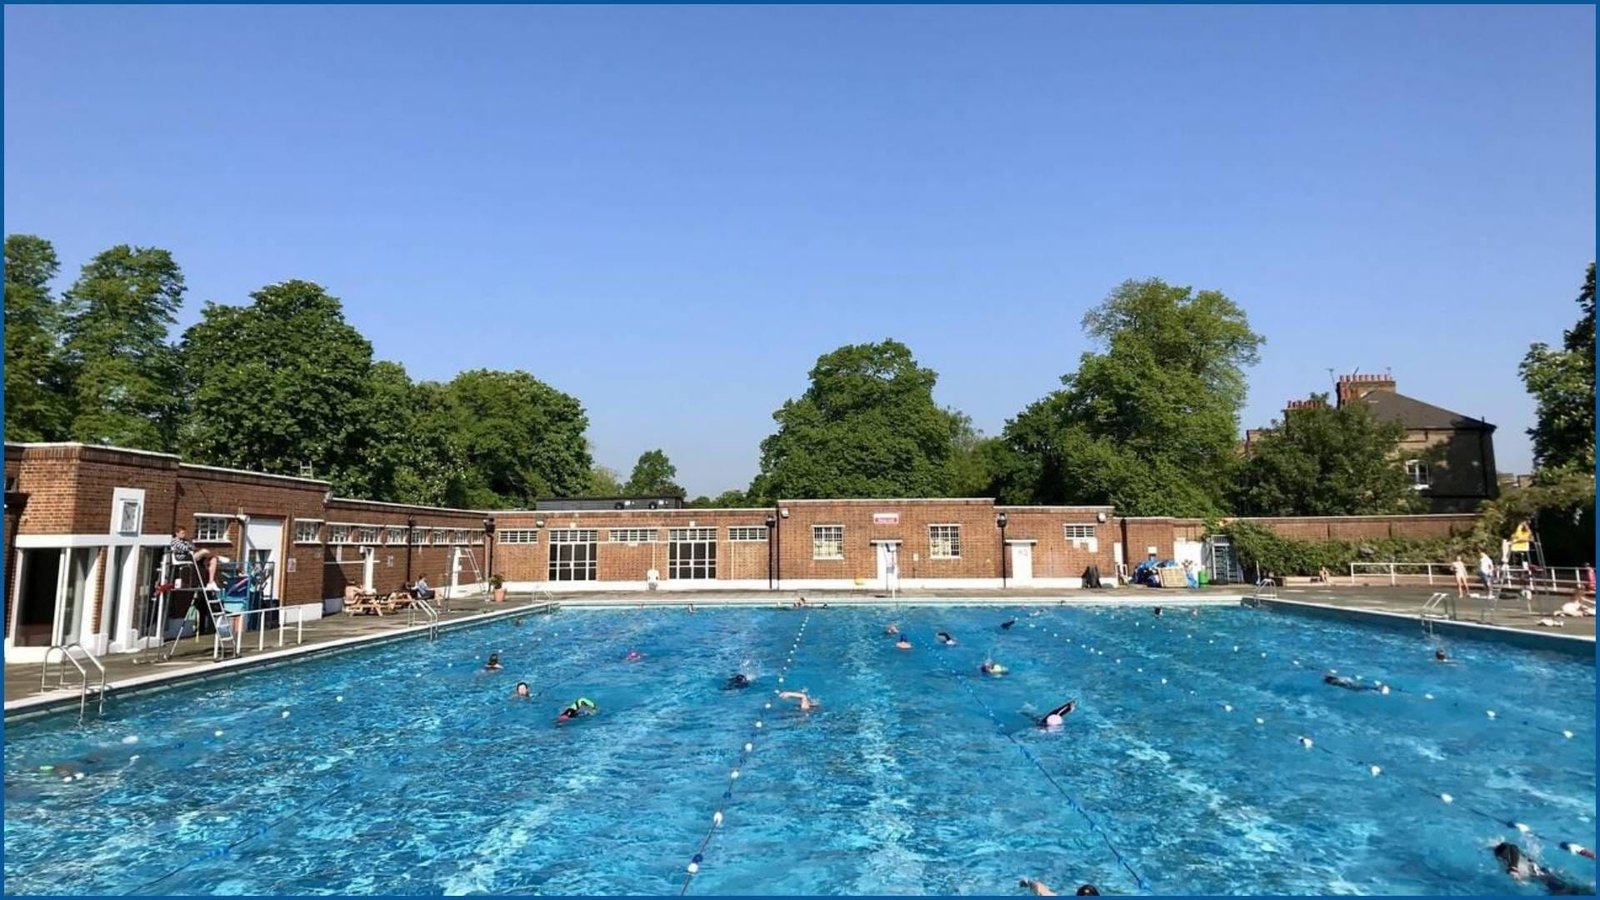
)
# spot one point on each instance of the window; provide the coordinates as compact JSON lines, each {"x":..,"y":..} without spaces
{"x":944,"y":541}
{"x":307,"y":531}
{"x":395,"y":534}
{"x":338,"y":534}
{"x":211,"y":529}
{"x":1421,"y":478}
{"x":130,"y":519}
{"x":458,"y":536}
{"x":827,"y":542}
{"x":633,"y":535}
{"x":478,"y":536}
{"x":518,"y":536}
{"x":572,"y":554}
{"x":419,"y":537}
{"x":747,"y":533}
{"x":692,"y":553}
{"x":440,"y":537}
{"x":1078,"y":532}
{"x":366,"y":534}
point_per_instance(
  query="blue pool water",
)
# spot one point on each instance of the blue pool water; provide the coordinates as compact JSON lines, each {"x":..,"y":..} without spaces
{"x":406,"y":769}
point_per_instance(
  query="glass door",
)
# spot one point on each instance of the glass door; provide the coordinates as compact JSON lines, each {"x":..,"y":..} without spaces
{"x":38,"y":583}
{"x":74,"y":595}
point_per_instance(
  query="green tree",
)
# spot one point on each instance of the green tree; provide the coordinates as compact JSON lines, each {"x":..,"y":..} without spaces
{"x":521,"y":439}
{"x":411,"y":455}
{"x":1322,"y":460}
{"x":866,"y":427}
{"x":1148,"y":423}
{"x":652,"y":476}
{"x":36,"y":396}
{"x":1562,"y":384}
{"x":280,"y":384}
{"x":734,"y":499}
{"x":122,"y":370}
{"x":603,"y":482}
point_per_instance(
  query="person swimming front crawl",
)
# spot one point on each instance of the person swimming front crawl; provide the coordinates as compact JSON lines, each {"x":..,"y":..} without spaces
{"x":946,"y":639}
{"x":807,"y":702}
{"x":992,"y":668}
{"x":739,"y":681}
{"x":904,"y":643}
{"x":1520,"y":867}
{"x":582,"y":706}
{"x":1350,"y":684}
{"x":1055,"y":717}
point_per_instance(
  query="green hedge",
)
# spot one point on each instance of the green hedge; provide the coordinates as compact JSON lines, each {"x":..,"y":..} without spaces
{"x":1259,"y":547}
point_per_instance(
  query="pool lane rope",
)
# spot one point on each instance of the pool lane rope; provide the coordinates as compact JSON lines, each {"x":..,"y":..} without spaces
{"x":746,"y":748}
{"x":1094,"y":827}
{"x":1308,"y":743}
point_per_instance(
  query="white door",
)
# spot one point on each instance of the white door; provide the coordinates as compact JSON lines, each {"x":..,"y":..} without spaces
{"x":888,"y":565}
{"x":1021,"y":563}
{"x":264,"y":547}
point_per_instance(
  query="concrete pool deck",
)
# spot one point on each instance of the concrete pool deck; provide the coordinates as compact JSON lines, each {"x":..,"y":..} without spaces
{"x":1395,"y":606}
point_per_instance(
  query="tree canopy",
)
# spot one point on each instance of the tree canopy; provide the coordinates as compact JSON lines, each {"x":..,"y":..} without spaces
{"x":123,"y":372}
{"x":520,"y":439}
{"x":653,"y":475}
{"x":1322,"y":460}
{"x":1149,"y":422}
{"x":866,"y":427}
{"x":36,"y":398}
{"x":1562,"y":384}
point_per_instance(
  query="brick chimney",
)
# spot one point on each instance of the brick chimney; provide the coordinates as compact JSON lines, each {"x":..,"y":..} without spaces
{"x":1354,"y":387}
{"x":1313,"y":403}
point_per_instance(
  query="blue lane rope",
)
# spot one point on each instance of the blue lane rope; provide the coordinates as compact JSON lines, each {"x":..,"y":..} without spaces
{"x":1376,"y":770}
{"x":1072,"y":801}
{"x":746,"y":747}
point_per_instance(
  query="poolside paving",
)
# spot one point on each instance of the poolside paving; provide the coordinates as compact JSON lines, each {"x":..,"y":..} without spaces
{"x":22,"y":679}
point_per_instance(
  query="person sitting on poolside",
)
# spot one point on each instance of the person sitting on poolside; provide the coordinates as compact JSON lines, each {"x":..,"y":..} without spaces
{"x":946,"y":639}
{"x":992,"y":668}
{"x":1006,"y":625}
{"x":1055,"y":717}
{"x":904,"y":643}
{"x":807,"y":702}
{"x":738,"y":682}
{"x":493,"y":665}
{"x":522,"y":691}
{"x":1520,"y":867}
{"x":582,"y":706}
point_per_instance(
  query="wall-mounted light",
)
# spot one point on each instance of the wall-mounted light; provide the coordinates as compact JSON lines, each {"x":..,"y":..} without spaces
{"x":1100,"y":517}
{"x":784,"y":513}
{"x":538,"y":523}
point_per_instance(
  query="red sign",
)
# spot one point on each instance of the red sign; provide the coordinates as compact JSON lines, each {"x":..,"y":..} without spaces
{"x":886,"y":518}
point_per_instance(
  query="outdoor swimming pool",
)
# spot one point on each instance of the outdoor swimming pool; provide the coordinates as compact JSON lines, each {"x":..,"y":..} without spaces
{"x":405,"y":769}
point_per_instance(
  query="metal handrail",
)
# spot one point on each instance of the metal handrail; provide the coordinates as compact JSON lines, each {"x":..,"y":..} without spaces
{"x":1267,"y":588}
{"x":1556,"y":578}
{"x":1437,"y":601}
{"x":83,"y":675}
{"x":427,"y":610}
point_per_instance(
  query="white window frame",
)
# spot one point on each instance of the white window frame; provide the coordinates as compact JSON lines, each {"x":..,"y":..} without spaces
{"x":700,"y":547}
{"x":391,"y":532}
{"x":201,"y":533}
{"x":517,"y":536}
{"x":339,"y":533}
{"x":589,"y":566}
{"x":820,"y":541}
{"x":634,"y":535}
{"x":420,"y":535}
{"x":748,"y":534}
{"x":950,"y":544}
{"x":1073,"y":532}
{"x":316,"y":531}
{"x":365,"y":534}
{"x":458,"y":537}
{"x":1421,"y":476}
{"x":441,"y":537}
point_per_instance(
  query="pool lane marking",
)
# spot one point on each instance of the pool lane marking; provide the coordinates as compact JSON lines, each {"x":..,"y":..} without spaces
{"x":746,"y":748}
{"x":1072,"y":801}
{"x":1374,"y":770}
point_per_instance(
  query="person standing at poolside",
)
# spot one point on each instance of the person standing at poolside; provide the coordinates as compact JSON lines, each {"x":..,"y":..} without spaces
{"x":1459,"y":570}
{"x":1486,"y":571}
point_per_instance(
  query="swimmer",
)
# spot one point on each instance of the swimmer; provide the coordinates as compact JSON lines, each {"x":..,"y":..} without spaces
{"x":738,"y":682}
{"x":1579,"y":849}
{"x":582,"y":706}
{"x":691,"y":609}
{"x":1006,"y":625}
{"x":1520,"y":867}
{"x":904,"y":643}
{"x":633,"y":656}
{"x":946,"y":639}
{"x":1440,"y":656}
{"x":891,"y":628}
{"x":1353,"y":685}
{"x":1158,"y":611}
{"x":1055,"y":717}
{"x":800,"y":603}
{"x":522,"y":691}
{"x":807,"y":702}
{"x":992,"y":668}
{"x":493,"y":665}
{"x":1039,"y":888}
{"x":1088,"y":890}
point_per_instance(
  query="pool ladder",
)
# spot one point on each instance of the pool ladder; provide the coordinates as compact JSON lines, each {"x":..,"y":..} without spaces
{"x":1266,"y":589}
{"x":428,"y":611}
{"x":1439,"y":605}
{"x":66,"y":651}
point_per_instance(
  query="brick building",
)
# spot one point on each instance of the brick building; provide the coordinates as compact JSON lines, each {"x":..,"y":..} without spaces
{"x":1449,"y":456}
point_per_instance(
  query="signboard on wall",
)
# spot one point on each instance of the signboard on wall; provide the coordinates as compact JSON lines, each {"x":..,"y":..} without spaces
{"x":886,"y":518}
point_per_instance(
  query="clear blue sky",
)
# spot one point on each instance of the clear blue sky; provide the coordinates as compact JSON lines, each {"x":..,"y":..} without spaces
{"x":670,"y":213}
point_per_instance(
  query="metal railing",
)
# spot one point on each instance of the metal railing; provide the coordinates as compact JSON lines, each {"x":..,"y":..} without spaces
{"x":1552,"y":578}
{"x":83,"y":675}
{"x":1440,"y":604}
{"x":1266,"y":589}
{"x":417,"y":603}
{"x":236,"y":637}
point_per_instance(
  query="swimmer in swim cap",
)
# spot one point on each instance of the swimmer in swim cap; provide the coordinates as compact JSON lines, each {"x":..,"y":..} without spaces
{"x":946,"y":639}
{"x":738,"y":682}
{"x":1055,"y":717}
{"x":634,"y":656}
{"x":493,"y":665}
{"x":992,"y":668}
{"x":1519,"y":866}
{"x":903,"y":644}
{"x":1006,"y":625}
{"x":1352,"y":685}
{"x":1088,"y":890}
{"x":582,"y":706}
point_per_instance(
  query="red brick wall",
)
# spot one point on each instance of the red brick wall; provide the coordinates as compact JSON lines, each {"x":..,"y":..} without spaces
{"x":389,"y":574}
{"x":202,"y":490}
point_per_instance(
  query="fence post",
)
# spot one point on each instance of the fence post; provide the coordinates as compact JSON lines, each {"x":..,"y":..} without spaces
{"x":1430,"y":574}
{"x":1392,"y":582}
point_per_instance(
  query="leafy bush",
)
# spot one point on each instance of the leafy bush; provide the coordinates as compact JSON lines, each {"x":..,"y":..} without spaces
{"x":1260,"y":548}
